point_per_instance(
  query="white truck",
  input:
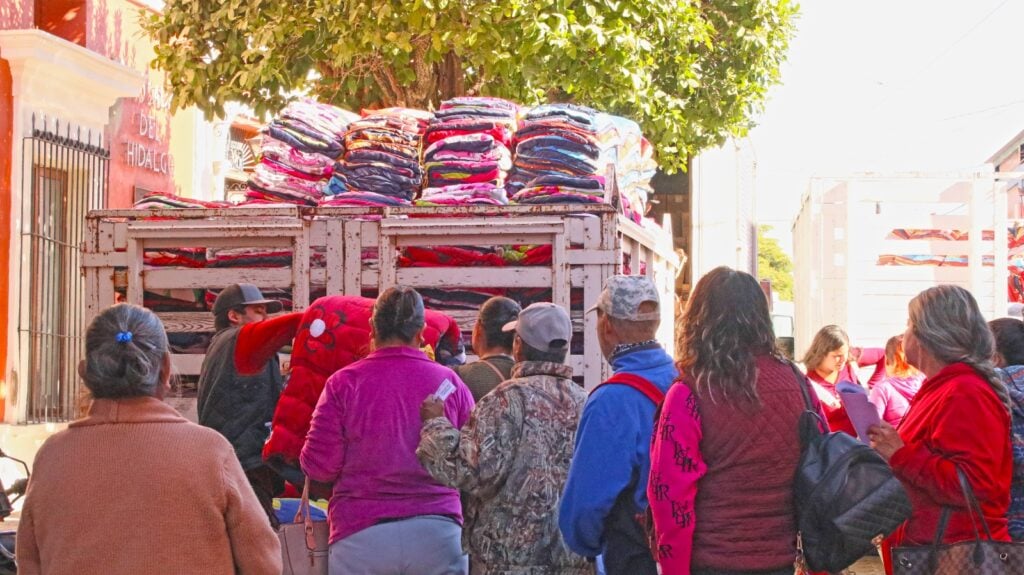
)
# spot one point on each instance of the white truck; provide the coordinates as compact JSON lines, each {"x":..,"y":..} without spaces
{"x":865,"y":246}
{"x":355,"y":250}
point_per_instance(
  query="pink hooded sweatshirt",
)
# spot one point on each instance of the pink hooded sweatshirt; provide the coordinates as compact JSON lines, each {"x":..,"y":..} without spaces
{"x":892,"y":397}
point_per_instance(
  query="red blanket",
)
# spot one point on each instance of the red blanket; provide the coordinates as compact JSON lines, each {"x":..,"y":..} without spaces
{"x":335,"y":332}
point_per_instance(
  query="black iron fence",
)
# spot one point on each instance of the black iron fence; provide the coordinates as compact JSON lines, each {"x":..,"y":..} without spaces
{"x":64,"y":175}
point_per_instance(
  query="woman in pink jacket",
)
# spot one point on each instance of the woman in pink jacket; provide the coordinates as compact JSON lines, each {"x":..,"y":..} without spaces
{"x":892,"y":396}
{"x":387,"y":514}
{"x":725,"y":449}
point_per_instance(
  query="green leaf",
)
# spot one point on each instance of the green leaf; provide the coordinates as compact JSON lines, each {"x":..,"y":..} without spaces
{"x":691,"y":73}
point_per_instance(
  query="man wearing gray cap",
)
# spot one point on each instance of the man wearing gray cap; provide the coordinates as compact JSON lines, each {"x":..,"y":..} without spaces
{"x":606,"y":490}
{"x":511,"y":459}
{"x":240,"y":380}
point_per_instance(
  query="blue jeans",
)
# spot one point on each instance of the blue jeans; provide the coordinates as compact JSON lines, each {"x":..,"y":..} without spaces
{"x":423,"y":545}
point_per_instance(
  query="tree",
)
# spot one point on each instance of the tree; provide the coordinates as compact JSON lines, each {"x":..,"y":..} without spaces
{"x":773,"y":264}
{"x":691,"y":73}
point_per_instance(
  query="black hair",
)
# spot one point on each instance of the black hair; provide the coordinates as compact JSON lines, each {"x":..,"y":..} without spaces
{"x":530,"y":353}
{"x":1009,"y":334}
{"x":221,"y":321}
{"x":494,"y":314}
{"x":125,"y":347}
{"x":398,"y":314}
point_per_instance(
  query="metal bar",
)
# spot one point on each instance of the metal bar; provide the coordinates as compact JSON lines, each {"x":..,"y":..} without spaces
{"x":64,"y":175}
{"x":73,"y":299}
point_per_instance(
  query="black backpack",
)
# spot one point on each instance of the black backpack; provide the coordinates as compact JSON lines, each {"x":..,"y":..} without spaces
{"x":845,"y":493}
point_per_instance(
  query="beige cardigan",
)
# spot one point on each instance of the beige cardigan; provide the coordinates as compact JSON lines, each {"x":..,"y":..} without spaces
{"x":134,"y":488}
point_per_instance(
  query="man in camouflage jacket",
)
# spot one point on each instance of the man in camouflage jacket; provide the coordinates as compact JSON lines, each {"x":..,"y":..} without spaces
{"x":512,"y":458}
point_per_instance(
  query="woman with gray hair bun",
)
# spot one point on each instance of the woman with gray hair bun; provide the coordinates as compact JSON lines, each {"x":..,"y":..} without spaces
{"x":959,"y":421}
{"x":134,"y":487}
{"x":387,"y":514}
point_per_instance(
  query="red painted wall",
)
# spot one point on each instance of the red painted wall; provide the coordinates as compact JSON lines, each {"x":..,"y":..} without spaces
{"x":6,"y":147}
{"x":139,"y":138}
{"x":62,"y":18}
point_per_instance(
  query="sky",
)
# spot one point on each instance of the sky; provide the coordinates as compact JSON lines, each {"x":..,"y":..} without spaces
{"x":888,"y":86}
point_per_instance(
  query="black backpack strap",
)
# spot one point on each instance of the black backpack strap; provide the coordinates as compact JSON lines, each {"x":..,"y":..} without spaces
{"x":801,"y":381}
{"x":810,"y":421}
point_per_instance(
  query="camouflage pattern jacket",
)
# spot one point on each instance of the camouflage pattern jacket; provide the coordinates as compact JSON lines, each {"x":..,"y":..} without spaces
{"x":511,"y":461}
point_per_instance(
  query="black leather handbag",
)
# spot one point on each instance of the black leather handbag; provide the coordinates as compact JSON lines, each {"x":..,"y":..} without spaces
{"x":846,"y":495}
{"x":978,"y":557}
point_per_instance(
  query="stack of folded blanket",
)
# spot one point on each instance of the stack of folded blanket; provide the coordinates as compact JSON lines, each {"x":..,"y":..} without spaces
{"x":563,"y":152}
{"x":382,"y":158}
{"x":163,"y":201}
{"x":558,"y":156}
{"x":468,"y":151}
{"x":623,"y":144}
{"x":298,"y":150}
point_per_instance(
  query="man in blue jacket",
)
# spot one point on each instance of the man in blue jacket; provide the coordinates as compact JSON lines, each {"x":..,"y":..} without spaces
{"x":605,"y":495}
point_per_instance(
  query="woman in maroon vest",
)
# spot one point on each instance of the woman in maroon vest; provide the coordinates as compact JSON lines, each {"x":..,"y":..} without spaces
{"x":725,"y":449}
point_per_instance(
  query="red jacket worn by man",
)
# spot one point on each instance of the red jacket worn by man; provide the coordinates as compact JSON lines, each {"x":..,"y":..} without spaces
{"x":240,"y":380}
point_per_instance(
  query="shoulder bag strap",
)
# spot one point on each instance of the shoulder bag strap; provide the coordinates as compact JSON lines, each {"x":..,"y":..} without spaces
{"x":304,"y":517}
{"x":973,"y":507}
{"x":501,"y":376}
{"x":637,"y":382}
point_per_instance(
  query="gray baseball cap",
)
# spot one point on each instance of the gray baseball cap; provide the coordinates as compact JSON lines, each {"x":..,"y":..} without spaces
{"x":622,"y":296}
{"x":243,"y":294}
{"x":543,"y":326}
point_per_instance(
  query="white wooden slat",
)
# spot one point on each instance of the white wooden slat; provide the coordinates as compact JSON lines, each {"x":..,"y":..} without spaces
{"x":491,"y":238}
{"x":226,"y":214}
{"x":300,"y":271}
{"x":211,"y":230}
{"x":388,"y":262}
{"x":560,"y":281}
{"x":335,"y":241}
{"x":104,"y":236}
{"x":136,"y":280}
{"x":120,"y":237}
{"x":471,"y":226}
{"x":353,"y":248}
{"x":106,"y":259}
{"x":591,"y":257}
{"x":592,"y":360}
{"x":318,"y":231}
{"x":213,"y":241}
{"x":216,"y":278}
{"x":481,"y":277}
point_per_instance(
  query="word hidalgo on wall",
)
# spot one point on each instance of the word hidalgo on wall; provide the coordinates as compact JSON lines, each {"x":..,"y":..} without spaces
{"x":147,"y":149}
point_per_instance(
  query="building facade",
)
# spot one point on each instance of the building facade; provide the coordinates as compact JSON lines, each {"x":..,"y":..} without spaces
{"x":85,"y":124}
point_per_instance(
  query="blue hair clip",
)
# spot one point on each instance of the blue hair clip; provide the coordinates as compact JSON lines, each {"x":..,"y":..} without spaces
{"x":124,"y":336}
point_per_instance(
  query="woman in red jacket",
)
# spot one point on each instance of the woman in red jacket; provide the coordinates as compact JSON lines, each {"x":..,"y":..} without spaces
{"x":959,"y":419}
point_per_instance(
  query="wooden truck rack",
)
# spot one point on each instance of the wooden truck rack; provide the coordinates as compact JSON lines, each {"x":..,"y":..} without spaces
{"x":589,"y":244}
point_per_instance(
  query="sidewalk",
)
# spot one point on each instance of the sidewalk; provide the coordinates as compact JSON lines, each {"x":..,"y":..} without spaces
{"x":867,"y":566}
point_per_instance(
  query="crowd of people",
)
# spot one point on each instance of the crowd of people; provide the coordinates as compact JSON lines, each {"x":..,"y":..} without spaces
{"x":507,"y":466}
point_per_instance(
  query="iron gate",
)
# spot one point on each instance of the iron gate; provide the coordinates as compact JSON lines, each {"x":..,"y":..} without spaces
{"x":64,"y":176}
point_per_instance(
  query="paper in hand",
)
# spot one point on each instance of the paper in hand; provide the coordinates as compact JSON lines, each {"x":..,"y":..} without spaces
{"x":860,"y":411}
{"x":444,"y":390}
